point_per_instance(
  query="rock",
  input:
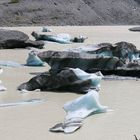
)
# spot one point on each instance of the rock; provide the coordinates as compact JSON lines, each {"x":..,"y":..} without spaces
{"x":35,"y":44}
{"x":10,"y":39}
{"x":134,"y":29}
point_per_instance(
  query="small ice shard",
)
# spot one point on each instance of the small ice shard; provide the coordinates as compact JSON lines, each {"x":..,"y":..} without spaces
{"x":34,"y":60}
{"x":115,"y":77}
{"x":78,"y":109}
{"x":60,"y":38}
{"x":136,"y":137}
{"x":46,"y":29}
{"x":94,"y":77}
{"x":57,"y":128}
{"x":79,"y":39}
{"x":9,"y":63}
{"x":1,"y":70}
{"x":84,"y":106}
{"x":22,"y":102}
{"x":23,"y":91}
{"x":2,"y":88}
{"x":72,"y":124}
{"x":69,"y":126}
{"x":72,"y":127}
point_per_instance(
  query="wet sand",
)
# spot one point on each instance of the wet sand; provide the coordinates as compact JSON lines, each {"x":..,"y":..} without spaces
{"x":32,"y":122}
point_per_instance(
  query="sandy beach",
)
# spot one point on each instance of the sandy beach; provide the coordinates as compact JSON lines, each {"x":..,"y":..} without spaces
{"x":32,"y":122}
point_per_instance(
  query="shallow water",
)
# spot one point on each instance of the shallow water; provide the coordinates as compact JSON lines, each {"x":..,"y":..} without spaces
{"x":33,"y":121}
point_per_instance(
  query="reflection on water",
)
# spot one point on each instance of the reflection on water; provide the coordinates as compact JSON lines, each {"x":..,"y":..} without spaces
{"x":22,"y":102}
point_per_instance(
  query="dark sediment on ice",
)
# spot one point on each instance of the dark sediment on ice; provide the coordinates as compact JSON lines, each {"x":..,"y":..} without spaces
{"x":64,"y":80}
{"x":120,"y":59}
